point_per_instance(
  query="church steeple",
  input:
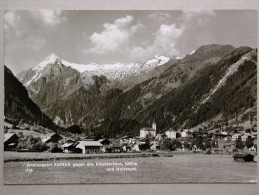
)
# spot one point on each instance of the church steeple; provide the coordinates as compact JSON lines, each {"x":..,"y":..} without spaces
{"x":154,"y":125}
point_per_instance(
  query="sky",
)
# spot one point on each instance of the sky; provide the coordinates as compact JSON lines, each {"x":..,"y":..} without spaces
{"x":107,"y":37}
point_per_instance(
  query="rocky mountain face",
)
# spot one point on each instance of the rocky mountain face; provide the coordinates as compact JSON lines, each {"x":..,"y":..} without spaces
{"x":55,"y":84}
{"x":18,"y":106}
{"x":119,"y":99}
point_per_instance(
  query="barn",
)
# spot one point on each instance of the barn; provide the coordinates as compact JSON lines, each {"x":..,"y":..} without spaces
{"x":51,"y":138}
{"x":10,"y":140}
{"x":243,"y":157}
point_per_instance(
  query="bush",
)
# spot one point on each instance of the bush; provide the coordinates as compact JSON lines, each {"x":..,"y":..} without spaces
{"x":170,"y":144}
{"x":208,"y":152}
{"x":31,"y":143}
{"x":20,"y":135}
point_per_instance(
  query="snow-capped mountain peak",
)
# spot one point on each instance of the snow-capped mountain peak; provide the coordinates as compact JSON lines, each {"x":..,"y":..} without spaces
{"x":116,"y":71}
{"x":51,"y":59}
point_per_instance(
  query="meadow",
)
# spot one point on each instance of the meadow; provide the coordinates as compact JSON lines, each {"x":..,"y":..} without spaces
{"x":189,"y":168}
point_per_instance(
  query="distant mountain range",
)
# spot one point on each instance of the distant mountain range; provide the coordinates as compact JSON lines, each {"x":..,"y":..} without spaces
{"x":112,"y":72}
{"x":120,"y":98}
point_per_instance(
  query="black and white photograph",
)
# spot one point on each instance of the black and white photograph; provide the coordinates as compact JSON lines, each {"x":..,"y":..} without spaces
{"x":130,"y":96}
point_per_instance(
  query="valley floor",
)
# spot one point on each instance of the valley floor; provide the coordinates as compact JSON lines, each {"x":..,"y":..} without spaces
{"x":181,"y":168}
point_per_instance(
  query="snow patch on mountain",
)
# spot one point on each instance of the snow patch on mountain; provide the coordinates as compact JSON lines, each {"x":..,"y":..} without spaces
{"x":179,"y":57}
{"x":192,"y":52}
{"x":118,"y":70}
{"x":34,"y":78}
{"x":87,"y":80}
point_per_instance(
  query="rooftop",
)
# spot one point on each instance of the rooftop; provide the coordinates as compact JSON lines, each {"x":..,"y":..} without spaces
{"x":241,"y":155}
{"x":89,"y":143}
{"x":8,"y":136}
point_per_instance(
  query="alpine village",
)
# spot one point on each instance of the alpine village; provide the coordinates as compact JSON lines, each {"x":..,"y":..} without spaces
{"x":204,"y":102}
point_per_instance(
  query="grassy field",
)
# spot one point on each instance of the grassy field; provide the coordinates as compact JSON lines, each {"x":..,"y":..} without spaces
{"x":191,"y":168}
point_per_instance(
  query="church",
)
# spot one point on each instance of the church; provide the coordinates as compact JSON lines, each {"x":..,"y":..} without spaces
{"x":148,"y":132}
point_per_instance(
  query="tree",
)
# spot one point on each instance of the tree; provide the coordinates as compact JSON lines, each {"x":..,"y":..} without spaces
{"x":249,"y":142}
{"x":239,"y":143}
{"x":20,"y":135}
{"x":31,"y":143}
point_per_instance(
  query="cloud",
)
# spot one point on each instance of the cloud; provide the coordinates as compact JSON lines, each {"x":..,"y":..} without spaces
{"x":199,"y":17}
{"x":160,"y":16}
{"x":118,"y":37}
{"x":114,"y":37}
{"x":49,"y":17}
{"x":35,"y":43}
{"x":168,"y":36}
{"x":11,"y":19}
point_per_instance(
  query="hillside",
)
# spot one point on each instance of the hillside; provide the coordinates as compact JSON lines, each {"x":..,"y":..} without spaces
{"x":186,"y":104}
{"x":18,"y":106}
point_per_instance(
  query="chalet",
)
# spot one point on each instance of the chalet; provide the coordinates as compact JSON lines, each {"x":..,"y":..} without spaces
{"x":116,"y":147}
{"x":126,"y":148}
{"x":160,"y":136}
{"x":143,"y":146}
{"x":186,"y":133}
{"x":105,"y":144}
{"x":153,"y":142}
{"x":51,"y":138}
{"x":125,"y":139}
{"x":228,"y":137}
{"x":154,"y":146}
{"x":254,"y":135}
{"x":148,"y":132}
{"x":235,"y":136}
{"x":139,"y":146}
{"x":69,"y":141}
{"x":10,"y":140}
{"x":196,"y":149}
{"x":243,"y":157}
{"x":68,"y":147}
{"x":87,"y":138}
{"x":135,"y":147}
{"x":89,"y":147}
{"x":252,"y":149}
{"x":171,"y":133}
{"x":245,"y":136}
{"x":132,"y":140}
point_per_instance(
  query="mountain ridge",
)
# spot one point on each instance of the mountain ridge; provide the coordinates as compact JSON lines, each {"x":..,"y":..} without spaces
{"x":172,"y":96}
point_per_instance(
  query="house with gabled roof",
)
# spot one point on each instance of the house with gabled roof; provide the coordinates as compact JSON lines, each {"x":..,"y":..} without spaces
{"x":10,"y":140}
{"x":171,"y":134}
{"x":68,"y":147}
{"x":235,"y":136}
{"x":89,"y":147}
